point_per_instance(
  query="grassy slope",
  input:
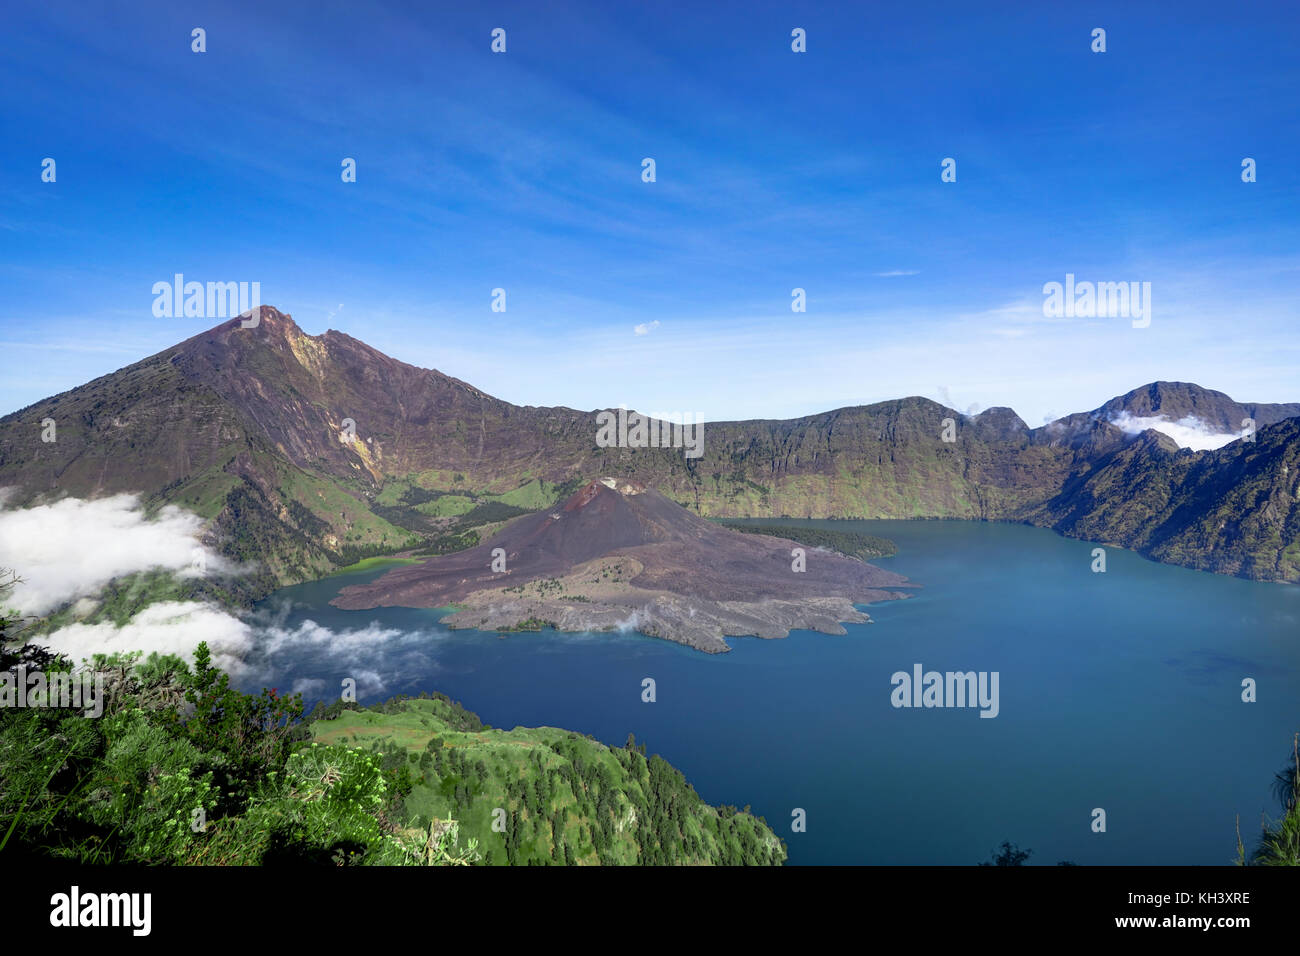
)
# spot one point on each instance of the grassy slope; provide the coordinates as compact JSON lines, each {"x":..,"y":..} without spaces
{"x":547,"y":781}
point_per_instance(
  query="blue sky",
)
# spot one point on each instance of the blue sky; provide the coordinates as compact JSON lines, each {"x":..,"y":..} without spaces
{"x":775,"y":170}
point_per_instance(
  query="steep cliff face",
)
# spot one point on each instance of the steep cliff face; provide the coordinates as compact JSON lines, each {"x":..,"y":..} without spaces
{"x":286,"y":440}
{"x":1234,"y":511}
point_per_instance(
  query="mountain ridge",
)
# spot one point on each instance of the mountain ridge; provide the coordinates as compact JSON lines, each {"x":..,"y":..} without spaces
{"x":249,"y":429}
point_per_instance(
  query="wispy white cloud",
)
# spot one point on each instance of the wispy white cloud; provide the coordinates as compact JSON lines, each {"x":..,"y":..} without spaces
{"x":1189,"y":431}
{"x":645,"y":328}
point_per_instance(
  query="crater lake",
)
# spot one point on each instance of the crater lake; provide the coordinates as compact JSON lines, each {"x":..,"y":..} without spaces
{"x":1120,"y":691}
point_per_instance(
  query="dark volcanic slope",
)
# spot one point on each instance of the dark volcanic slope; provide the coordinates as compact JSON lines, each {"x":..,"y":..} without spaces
{"x":675,"y":550}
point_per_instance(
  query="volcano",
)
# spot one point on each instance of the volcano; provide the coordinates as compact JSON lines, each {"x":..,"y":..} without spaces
{"x":300,"y":452}
{"x":618,"y":555}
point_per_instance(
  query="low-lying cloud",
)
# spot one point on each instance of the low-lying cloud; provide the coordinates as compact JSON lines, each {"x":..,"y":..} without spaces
{"x":168,"y":627}
{"x":1188,"y":432}
{"x":255,"y":650}
{"x":72,"y":548}
{"x":376,"y":656}
{"x":66,"y":551}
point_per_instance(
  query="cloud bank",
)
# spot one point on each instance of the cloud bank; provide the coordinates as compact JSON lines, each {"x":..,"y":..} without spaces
{"x":72,"y":548}
{"x":254,"y":652}
{"x":67,"y":551}
{"x":169,"y":627}
{"x":1189,"y":432}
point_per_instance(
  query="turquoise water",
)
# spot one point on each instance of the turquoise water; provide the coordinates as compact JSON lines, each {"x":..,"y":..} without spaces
{"x":1119,"y":691}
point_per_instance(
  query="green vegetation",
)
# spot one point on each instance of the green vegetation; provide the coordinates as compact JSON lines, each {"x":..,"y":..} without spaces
{"x":446,"y":506}
{"x":407,"y":500}
{"x":450,"y":521}
{"x":447,"y":543}
{"x":124,"y":597}
{"x":854,"y":544}
{"x":1279,"y":841}
{"x":529,"y":624}
{"x":181,"y":769}
{"x":547,"y":796}
{"x":490,"y":511}
{"x":203,"y":493}
{"x":528,"y":497}
{"x":370,"y":564}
